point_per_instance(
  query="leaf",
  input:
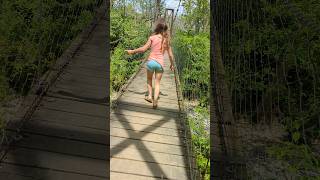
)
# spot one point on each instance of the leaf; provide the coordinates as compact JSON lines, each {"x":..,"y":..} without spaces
{"x":296,"y":136}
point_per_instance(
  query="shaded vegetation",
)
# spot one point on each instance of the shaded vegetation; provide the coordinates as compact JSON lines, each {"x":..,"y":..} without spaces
{"x":271,"y":54}
{"x":33,"y":34}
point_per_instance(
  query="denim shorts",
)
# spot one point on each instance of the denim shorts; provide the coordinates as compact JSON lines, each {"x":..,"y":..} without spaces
{"x":153,"y":65}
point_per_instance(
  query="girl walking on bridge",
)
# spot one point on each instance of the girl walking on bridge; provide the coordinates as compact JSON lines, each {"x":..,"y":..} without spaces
{"x":159,"y":42}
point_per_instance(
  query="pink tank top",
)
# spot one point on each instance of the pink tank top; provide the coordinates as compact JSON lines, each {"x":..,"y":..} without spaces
{"x":156,"y":53}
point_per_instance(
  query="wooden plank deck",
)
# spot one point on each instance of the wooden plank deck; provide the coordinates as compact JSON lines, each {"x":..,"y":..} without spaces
{"x":145,"y":143}
{"x":67,"y":136}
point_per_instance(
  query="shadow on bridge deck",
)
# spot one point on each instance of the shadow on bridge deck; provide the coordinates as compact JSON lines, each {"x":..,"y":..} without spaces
{"x":148,"y":143}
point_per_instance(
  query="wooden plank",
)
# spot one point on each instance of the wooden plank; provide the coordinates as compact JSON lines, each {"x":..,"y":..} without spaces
{"x":63,"y":146}
{"x":82,"y":60}
{"x":148,"y":169}
{"x":145,"y":136}
{"x":121,"y":175}
{"x":141,"y":114}
{"x":123,"y":142}
{"x":77,"y":87}
{"x":133,"y":153}
{"x":83,"y":79}
{"x":145,"y":128}
{"x":89,"y":62}
{"x":67,"y":95}
{"x":69,"y":118}
{"x":162,"y":106}
{"x":169,"y":124}
{"x":91,"y":50}
{"x":87,"y":72}
{"x":162,"y":103}
{"x":140,"y":94}
{"x":21,"y":172}
{"x":165,"y":81}
{"x":13,"y":176}
{"x":88,"y":91}
{"x":65,"y":105}
{"x":166,"y":87}
{"x":66,"y":131}
{"x":147,"y":111}
{"x":57,"y":161}
{"x":95,"y":46}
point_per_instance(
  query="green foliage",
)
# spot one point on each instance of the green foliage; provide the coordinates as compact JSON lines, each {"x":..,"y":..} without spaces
{"x":200,"y":139}
{"x":4,"y":91}
{"x":296,"y":158}
{"x":272,"y":60}
{"x":34,"y":33}
{"x":84,"y":19}
{"x":192,"y":56}
{"x":121,"y":68}
{"x":196,"y":16}
{"x":126,"y":33}
{"x":191,"y":49}
{"x":271,"y":57}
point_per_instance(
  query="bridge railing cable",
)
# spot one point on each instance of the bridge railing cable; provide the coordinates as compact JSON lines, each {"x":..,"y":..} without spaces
{"x":192,"y":81}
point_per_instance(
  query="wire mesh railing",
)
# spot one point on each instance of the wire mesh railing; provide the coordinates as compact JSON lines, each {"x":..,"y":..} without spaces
{"x":129,"y":30}
{"x":269,"y":55}
{"x":33,"y":35}
{"x":192,"y":71}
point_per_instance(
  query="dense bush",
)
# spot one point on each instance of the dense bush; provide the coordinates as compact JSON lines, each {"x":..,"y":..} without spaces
{"x":33,"y":34}
{"x":296,"y":158}
{"x":199,"y":125}
{"x":191,"y":46}
{"x":121,"y":68}
{"x":271,"y":55}
{"x":126,"y":33}
{"x":192,"y":56}
{"x":272,"y":61}
{"x":191,"y":52}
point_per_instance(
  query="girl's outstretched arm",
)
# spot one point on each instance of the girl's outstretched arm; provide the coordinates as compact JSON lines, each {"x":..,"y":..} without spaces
{"x":141,"y":49}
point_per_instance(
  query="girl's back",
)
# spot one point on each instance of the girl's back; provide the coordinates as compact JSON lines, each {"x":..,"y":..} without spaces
{"x":157,"y":48}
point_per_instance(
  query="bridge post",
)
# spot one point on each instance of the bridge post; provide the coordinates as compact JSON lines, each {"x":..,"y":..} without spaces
{"x":165,"y":17}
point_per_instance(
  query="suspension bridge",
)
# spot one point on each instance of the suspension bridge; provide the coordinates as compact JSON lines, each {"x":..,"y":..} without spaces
{"x":64,"y":127}
{"x":62,"y":132}
{"x":66,"y":135}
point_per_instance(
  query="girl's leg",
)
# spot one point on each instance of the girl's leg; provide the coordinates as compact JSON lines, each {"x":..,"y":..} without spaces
{"x":149,"y":83}
{"x":157,"y":86}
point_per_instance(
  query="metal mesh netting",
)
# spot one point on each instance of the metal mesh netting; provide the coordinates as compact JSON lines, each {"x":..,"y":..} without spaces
{"x":33,"y":35}
{"x":192,"y":72}
{"x":266,"y":63}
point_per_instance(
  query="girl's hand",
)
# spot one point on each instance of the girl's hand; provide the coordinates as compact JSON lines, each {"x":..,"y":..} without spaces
{"x":130,"y":52}
{"x":171,"y":67}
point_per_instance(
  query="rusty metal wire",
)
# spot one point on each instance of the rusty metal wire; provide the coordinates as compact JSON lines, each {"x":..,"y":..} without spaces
{"x":268,"y":77}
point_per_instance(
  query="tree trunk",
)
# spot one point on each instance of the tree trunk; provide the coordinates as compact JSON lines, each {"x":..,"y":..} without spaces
{"x":124,"y":7}
{"x":157,"y":13}
{"x":150,"y":13}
